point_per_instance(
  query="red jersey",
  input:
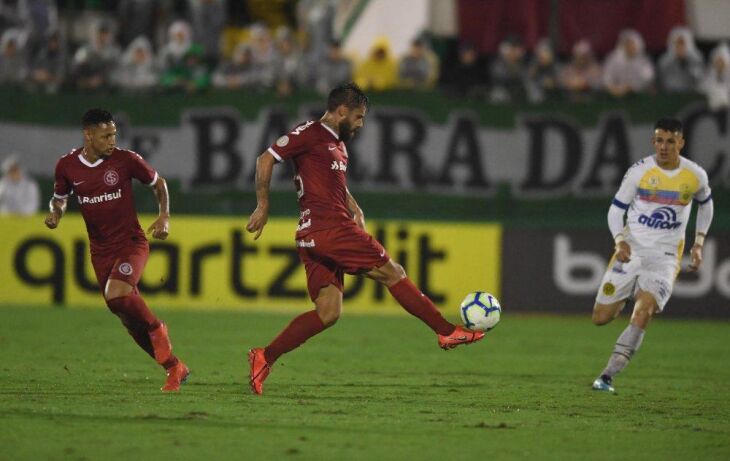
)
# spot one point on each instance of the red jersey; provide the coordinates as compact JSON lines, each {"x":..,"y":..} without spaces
{"x":320,"y":162}
{"x":104,"y":192}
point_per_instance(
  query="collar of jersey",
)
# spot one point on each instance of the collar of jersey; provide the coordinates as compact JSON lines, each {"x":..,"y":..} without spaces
{"x":668,"y":173}
{"x":330,"y":130}
{"x":89,"y":164}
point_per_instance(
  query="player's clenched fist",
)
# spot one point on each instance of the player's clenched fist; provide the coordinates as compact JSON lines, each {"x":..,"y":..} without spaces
{"x":623,"y":252}
{"x":52,"y":220}
{"x":160,"y":229}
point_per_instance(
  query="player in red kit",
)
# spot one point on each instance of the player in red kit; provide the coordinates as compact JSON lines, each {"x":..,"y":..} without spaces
{"x":331,"y":237}
{"x":100,"y":176}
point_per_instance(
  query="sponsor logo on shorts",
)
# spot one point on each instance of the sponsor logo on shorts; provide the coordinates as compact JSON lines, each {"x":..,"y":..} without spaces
{"x":108,"y":197}
{"x":125,"y":269}
{"x":661,"y":218}
{"x":282,"y":141}
{"x":305,"y":243}
{"x":618,"y":268}
{"x":111,"y":178}
{"x":609,"y":288}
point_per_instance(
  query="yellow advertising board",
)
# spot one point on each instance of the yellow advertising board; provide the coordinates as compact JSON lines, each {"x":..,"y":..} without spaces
{"x":212,"y":262}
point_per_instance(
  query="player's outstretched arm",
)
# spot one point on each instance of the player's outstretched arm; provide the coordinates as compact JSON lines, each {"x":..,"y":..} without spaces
{"x":357,"y":214}
{"x":57,"y":207}
{"x":264,"y":168}
{"x":160,"y":229}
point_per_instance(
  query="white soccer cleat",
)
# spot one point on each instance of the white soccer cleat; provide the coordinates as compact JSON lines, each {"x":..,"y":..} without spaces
{"x":602,"y":383}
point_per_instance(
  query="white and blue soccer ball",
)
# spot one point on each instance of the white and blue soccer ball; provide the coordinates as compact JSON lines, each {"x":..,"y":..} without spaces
{"x":480,"y":311}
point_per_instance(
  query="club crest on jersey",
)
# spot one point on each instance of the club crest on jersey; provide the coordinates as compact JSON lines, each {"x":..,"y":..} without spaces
{"x":662,"y":218}
{"x":125,"y":269}
{"x":111,"y":178}
{"x":609,"y":288}
{"x":282,"y":141}
{"x":338,"y":165}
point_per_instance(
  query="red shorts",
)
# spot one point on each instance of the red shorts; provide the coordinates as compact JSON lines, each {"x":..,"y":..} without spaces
{"x":329,"y":254}
{"x":125,"y":263}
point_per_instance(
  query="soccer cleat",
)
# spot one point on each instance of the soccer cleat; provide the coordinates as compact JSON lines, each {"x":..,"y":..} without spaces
{"x":602,"y":383}
{"x":176,"y":375}
{"x":258,"y":370}
{"x":460,"y":336}
{"x":161,"y":344}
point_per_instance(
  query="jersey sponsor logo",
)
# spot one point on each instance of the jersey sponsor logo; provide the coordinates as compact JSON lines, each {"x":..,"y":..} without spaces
{"x":661,"y":218}
{"x":305,"y":243}
{"x":125,"y":269}
{"x":83,"y":200}
{"x":338,"y":165}
{"x":282,"y":141}
{"x":304,"y":225}
{"x":111,"y":178}
{"x":298,"y":130}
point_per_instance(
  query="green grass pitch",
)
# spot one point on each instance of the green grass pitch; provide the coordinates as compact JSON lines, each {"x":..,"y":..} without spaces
{"x":73,"y":386}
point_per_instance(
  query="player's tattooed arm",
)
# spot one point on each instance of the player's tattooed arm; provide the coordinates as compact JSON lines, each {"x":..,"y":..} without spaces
{"x":160,"y":229}
{"x":264,"y":168}
{"x":57,"y":207}
{"x":355,"y":211}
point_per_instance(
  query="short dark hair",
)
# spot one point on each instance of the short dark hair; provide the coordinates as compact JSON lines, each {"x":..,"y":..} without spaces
{"x":669,"y":124}
{"x":348,"y":94}
{"x":95,"y":117}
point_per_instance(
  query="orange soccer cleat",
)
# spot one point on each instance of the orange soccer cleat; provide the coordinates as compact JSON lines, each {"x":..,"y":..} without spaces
{"x":161,"y":344}
{"x":460,"y":336}
{"x":259,"y":370}
{"x":176,"y":375}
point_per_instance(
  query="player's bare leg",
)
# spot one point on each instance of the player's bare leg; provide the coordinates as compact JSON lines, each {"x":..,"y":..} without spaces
{"x":328,"y":307}
{"x":146,"y":330}
{"x":629,"y":342}
{"x":605,"y":313}
{"x":392,"y":275}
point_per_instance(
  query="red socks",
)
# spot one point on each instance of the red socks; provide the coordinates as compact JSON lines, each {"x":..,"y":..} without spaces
{"x":134,"y":307}
{"x":418,"y":304}
{"x":139,"y":321}
{"x":294,"y":335}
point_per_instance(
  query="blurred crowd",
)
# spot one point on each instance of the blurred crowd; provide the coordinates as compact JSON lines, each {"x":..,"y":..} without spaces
{"x":194,"y":45}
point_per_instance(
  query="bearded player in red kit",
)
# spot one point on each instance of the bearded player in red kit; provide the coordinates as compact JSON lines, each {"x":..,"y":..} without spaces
{"x":100,"y":175}
{"x":331,"y":238}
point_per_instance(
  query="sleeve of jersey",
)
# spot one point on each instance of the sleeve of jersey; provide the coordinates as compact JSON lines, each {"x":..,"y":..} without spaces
{"x":706,"y":208}
{"x":61,"y":186}
{"x":627,"y":191}
{"x":141,"y":170}
{"x":289,"y":146}
{"x":703,"y":194}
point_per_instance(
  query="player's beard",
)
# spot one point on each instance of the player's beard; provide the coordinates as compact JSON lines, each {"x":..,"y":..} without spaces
{"x":346,"y":131}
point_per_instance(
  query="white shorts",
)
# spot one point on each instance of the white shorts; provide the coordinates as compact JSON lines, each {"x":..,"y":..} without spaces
{"x":651,"y":272}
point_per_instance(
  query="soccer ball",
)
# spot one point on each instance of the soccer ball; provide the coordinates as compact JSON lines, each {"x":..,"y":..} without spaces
{"x":480,"y":311}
